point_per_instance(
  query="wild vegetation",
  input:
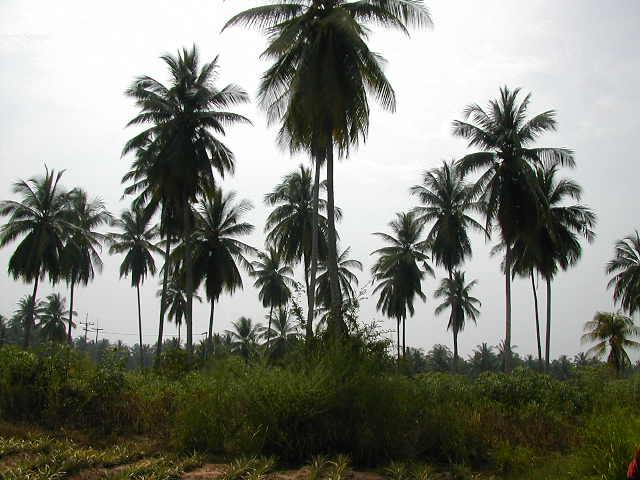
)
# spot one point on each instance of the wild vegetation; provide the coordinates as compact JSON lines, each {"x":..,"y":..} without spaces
{"x":318,"y":379}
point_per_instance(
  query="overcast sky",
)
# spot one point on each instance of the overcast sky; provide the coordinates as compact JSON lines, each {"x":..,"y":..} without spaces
{"x":64,"y":67}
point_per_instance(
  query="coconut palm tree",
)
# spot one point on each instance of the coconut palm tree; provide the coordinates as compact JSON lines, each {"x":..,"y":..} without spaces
{"x":273,"y":281}
{"x":184,"y":120}
{"x":282,"y":333}
{"x":297,"y":230}
{"x":506,"y":161}
{"x":41,"y":219}
{"x":52,"y":319}
{"x":137,"y":241}
{"x":244,"y":337}
{"x":398,"y":271}
{"x":217,"y":250}
{"x":625,"y":268}
{"x":483,"y":359}
{"x":346,"y":277}
{"x":456,"y":293}
{"x":176,"y":299}
{"x":81,"y":253}
{"x":320,"y":79}
{"x":447,"y":201}
{"x":27,"y":311}
{"x":613,"y":332}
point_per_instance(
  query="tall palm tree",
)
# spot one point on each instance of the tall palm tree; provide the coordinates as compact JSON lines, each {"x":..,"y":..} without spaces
{"x":347,"y":279}
{"x":41,"y":218}
{"x":447,"y":201}
{"x":217,"y":250}
{"x":81,"y":253}
{"x":297,"y":229}
{"x":185,"y":118}
{"x":456,"y":293}
{"x":283,"y":332}
{"x":52,"y":321}
{"x":613,"y":332}
{"x":244,"y":337}
{"x":322,"y":73}
{"x":397,"y":270}
{"x":273,"y":281}
{"x":136,"y":240}
{"x":625,"y":268}
{"x":506,"y":186}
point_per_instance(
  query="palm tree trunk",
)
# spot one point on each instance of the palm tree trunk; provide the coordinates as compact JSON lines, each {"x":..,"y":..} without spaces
{"x":140,"y":327}
{"x":404,"y":338}
{"x":455,"y":351}
{"x":535,"y":304}
{"x":398,"y":337}
{"x":548,"y":339}
{"x":332,"y":261}
{"x":507,"y":288}
{"x":269,"y":329}
{"x":70,"y":311}
{"x":163,"y":298}
{"x":179,"y":331}
{"x":27,"y":327}
{"x":311,"y":285}
{"x":188,"y":270}
{"x":210,"y":341}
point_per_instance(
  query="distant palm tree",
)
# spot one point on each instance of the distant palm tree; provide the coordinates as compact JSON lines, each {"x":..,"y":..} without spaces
{"x":273,"y":281}
{"x":506,"y":186}
{"x":136,"y":239}
{"x":625,"y":268}
{"x":3,"y":329}
{"x":447,"y":201}
{"x":52,"y":321}
{"x":217,"y":250}
{"x":319,"y":82}
{"x":176,"y":300}
{"x":185,"y":118}
{"x":484,"y":359}
{"x":397,"y":271}
{"x":283,"y":332}
{"x":41,"y":217}
{"x":294,"y":232}
{"x":457,"y":297}
{"x":244,"y":337}
{"x":81,"y":253}
{"x":439,"y":358}
{"x":346,"y":276}
{"x":613,"y":332}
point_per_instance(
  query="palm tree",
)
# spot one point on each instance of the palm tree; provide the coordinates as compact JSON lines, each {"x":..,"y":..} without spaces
{"x":136,"y":240}
{"x":397,"y":270}
{"x":175,"y":299}
{"x":273,"y":281}
{"x":318,"y":85}
{"x":484,"y":359}
{"x":348,"y":280}
{"x":625,"y":268}
{"x":298,"y":230}
{"x":284,"y":331}
{"x":27,"y":311}
{"x":81,"y":253}
{"x":457,"y":297}
{"x":447,"y":201}
{"x":506,"y":186}
{"x":244,"y":336}
{"x":42,"y":220}
{"x":217,"y":251}
{"x":3,"y":329}
{"x":185,"y":117}
{"x":52,"y":321}
{"x":613,"y":332}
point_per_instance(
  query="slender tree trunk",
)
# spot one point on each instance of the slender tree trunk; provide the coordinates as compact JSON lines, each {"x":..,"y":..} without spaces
{"x":188,"y":268}
{"x":70,"y":311}
{"x":210,"y":349}
{"x":140,"y":327}
{"x":163,"y":298}
{"x":269,"y":329}
{"x":27,"y":327}
{"x":311,"y":285}
{"x":332,"y":265}
{"x":179,"y":331}
{"x":404,"y":338}
{"x":507,"y":336}
{"x":455,"y":351}
{"x":548,"y":339}
{"x":398,"y":337}
{"x":535,"y":304}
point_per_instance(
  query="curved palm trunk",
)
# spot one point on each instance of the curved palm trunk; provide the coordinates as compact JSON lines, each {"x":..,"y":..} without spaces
{"x":210,"y":341}
{"x":70,"y":311}
{"x":163,"y":298}
{"x":507,"y":288}
{"x":535,"y":303}
{"x":548,"y":339}
{"x":455,"y":351}
{"x":188,"y":270}
{"x":335,"y":319}
{"x":140,"y":327}
{"x":311,"y":282}
{"x":27,"y":327}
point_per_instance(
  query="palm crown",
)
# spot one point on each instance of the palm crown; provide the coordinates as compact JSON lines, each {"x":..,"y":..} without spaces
{"x":625,"y":268}
{"x":612,"y":331}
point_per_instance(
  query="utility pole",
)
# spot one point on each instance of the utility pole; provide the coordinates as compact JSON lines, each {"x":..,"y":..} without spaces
{"x":97,"y":330}
{"x":86,"y":324}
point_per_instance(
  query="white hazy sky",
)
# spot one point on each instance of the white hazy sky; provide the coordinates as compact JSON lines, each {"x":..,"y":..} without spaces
{"x":64,"y":66}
